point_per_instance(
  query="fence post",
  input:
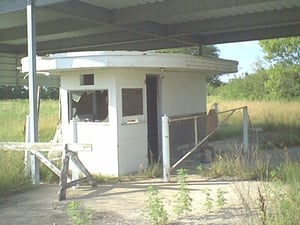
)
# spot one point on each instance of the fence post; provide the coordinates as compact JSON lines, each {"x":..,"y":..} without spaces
{"x":245,"y":130}
{"x":166,"y":148}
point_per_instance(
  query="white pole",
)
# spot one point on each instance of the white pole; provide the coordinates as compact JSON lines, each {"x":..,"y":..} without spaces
{"x":166,"y":148}
{"x":74,"y":168}
{"x":33,"y":124}
{"x":245,"y":130}
{"x":27,"y":152}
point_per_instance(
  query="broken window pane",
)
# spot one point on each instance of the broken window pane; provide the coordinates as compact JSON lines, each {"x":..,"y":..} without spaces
{"x":89,"y":106}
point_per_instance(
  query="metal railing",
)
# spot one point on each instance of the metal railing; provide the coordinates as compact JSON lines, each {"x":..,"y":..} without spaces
{"x":167,"y":168}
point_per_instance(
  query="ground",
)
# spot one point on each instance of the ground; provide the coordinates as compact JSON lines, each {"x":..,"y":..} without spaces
{"x":121,"y":203}
{"x":124,"y":203}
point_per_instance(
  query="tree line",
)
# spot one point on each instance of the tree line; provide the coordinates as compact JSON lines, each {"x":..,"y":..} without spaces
{"x":276,"y":77}
{"x":21,"y":92}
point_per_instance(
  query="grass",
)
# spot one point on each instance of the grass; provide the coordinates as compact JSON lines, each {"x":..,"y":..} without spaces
{"x":235,"y":164}
{"x":277,"y":117}
{"x":12,"y":120}
{"x":13,"y":115}
{"x":12,"y":177}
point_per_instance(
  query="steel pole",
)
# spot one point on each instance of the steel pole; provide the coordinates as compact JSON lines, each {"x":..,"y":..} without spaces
{"x":32,"y":85}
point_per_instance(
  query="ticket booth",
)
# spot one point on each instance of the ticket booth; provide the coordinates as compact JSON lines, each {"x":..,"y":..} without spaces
{"x":115,"y":100}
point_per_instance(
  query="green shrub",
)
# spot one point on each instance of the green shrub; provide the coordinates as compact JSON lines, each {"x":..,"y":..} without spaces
{"x":155,"y":208}
{"x":77,"y":214}
{"x":183,"y":201}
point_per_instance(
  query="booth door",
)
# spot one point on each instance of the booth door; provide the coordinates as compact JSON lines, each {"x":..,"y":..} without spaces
{"x":133,"y":130}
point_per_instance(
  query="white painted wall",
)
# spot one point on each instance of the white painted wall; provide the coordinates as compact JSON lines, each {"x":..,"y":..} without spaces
{"x":183,"y":93}
{"x":102,"y":135}
{"x":120,"y":148}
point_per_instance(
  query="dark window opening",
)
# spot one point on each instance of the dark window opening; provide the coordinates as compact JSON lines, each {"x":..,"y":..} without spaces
{"x":89,"y":106}
{"x":132,"y":101}
{"x":87,"y":79}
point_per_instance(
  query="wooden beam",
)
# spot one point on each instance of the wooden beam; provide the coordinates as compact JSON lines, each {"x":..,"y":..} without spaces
{"x":44,"y":146}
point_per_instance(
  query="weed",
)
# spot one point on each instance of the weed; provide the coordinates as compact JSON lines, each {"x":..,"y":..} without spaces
{"x":285,"y":202}
{"x":100,"y":178}
{"x":183,"y":201}
{"x":201,"y":170}
{"x":262,"y":207}
{"x":239,"y":166}
{"x":221,"y":200}
{"x":154,"y":170}
{"x":208,"y":200}
{"x":78,"y":215}
{"x":155,"y":208}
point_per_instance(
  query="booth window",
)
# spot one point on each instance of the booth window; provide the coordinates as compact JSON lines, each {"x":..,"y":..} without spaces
{"x":89,"y":106}
{"x":87,"y":79}
{"x":132,"y":101}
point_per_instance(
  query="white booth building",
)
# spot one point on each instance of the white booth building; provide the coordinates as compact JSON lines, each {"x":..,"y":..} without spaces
{"x":115,"y":100}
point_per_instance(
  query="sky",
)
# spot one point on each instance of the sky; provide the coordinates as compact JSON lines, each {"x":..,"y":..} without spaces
{"x":246,"y":53}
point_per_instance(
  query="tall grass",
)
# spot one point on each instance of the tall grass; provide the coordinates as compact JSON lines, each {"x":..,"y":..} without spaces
{"x":285,"y":202}
{"x":13,"y":115}
{"x":12,"y":172}
{"x":277,"y":117}
{"x":12,"y":119}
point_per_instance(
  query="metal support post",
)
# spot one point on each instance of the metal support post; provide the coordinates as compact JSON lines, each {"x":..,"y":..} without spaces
{"x":166,"y":148}
{"x":33,"y":124}
{"x":27,"y":158}
{"x":245,"y":130}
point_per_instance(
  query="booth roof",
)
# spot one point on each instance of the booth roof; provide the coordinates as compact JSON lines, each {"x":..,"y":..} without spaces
{"x":56,"y":63}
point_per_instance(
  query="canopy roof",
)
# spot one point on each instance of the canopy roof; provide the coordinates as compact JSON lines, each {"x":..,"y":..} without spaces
{"x":75,"y":25}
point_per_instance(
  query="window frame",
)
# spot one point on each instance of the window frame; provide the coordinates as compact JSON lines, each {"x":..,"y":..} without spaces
{"x":71,"y":114}
{"x":136,"y":118}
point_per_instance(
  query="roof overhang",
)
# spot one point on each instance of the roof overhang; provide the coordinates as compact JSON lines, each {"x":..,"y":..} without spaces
{"x":57,"y":63}
{"x":77,"y":25}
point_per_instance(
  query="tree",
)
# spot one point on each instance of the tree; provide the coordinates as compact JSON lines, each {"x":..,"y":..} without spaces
{"x":283,"y":54}
{"x":206,"y":50}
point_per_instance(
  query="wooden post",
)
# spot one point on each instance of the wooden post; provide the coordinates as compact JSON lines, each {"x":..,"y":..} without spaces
{"x":245,"y":130}
{"x":82,"y":168}
{"x":62,"y":187}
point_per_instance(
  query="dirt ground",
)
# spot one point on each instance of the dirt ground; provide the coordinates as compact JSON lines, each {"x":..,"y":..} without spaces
{"x":124,"y":203}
